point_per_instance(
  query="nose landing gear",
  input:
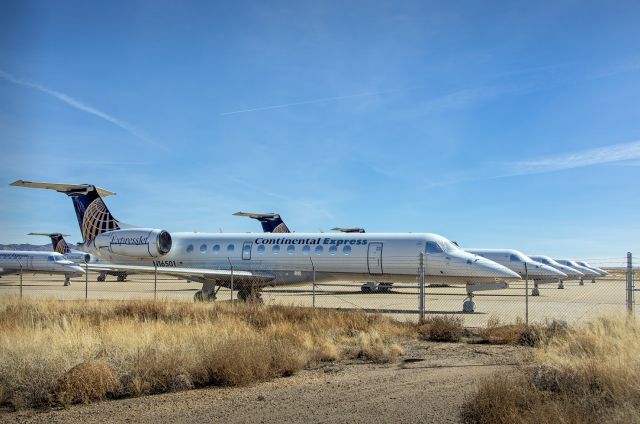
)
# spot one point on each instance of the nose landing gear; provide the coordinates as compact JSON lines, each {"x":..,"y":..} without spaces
{"x":469,"y":306}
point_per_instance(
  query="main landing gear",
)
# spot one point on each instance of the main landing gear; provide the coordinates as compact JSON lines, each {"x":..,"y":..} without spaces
{"x":101,"y":277}
{"x":561,"y":285}
{"x":67,"y":282}
{"x":374,"y":287}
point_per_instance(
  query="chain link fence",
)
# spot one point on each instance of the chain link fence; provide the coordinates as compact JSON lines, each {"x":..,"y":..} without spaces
{"x":405,"y":300}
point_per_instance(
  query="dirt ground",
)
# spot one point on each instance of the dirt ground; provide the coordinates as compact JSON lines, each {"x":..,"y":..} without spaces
{"x":428,"y":384}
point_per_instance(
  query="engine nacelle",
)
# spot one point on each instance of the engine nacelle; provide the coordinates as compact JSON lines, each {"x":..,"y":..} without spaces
{"x":137,"y":243}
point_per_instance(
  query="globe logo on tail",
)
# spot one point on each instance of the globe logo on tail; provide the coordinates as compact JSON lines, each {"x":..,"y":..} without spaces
{"x":97,"y":219}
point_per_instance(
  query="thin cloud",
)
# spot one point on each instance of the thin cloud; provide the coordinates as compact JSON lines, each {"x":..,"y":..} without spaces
{"x":80,"y":106}
{"x":601,"y":155}
{"x":304,"y":102}
{"x":616,"y":154}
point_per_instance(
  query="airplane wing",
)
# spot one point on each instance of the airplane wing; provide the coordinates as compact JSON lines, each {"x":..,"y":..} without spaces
{"x":191,"y":273}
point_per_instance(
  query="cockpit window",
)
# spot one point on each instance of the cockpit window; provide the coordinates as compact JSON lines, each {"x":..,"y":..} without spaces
{"x":448,"y":246}
{"x":51,"y":258}
{"x":514,"y":258}
{"x":433,"y":247}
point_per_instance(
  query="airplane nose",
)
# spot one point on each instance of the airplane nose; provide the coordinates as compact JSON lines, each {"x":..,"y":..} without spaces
{"x":498,"y":271}
{"x":552,"y":271}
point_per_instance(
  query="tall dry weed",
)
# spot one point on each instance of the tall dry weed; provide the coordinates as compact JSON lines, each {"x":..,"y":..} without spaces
{"x":587,"y":374}
{"x":57,"y":353}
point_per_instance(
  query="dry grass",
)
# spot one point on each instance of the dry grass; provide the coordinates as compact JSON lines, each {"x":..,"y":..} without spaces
{"x":58,"y":353}
{"x":442,"y":328}
{"x":519,"y":333}
{"x":588,"y":374}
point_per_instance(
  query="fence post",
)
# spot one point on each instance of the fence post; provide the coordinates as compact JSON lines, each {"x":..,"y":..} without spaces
{"x":20,"y":263}
{"x":231,"y":285}
{"x":629,"y":282}
{"x":86,"y":279}
{"x":526,"y":294}
{"x":155,"y":282}
{"x":421,"y":302}
{"x":313,"y":269}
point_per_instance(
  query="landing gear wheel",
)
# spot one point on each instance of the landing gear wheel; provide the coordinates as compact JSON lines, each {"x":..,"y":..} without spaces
{"x":199,"y":296}
{"x":582,"y":282}
{"x":561,"y":285}
{"x":101,"y":278}
{"x":365,"y":289}
{"x":385,"y":287}
{"x":469,"y":307}
{"x":535,"y":291}
{"x":67,"y":282}
{"x":121,"y":278}
{"x":248,"y":295}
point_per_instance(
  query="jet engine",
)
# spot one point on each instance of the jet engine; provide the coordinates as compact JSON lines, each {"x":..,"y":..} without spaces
{"x":137,"y":243}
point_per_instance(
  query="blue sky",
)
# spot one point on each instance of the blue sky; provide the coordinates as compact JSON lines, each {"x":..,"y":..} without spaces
{"x":496,"y":124}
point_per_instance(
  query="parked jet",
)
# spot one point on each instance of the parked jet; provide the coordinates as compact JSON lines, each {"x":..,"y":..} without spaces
{"x":600,"y":271}
{"x":79,"y":257}
{"x":349,"y":229}
{"x":572,"y":273}
{"x":28,"y":262}
{"x":523,"y":265}
{"x":588,"y":272}
{"x":248,"y":262}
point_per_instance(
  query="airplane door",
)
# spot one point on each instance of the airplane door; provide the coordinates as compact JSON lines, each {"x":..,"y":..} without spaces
{"x":374,"y":258}
{"x":246,"y":250}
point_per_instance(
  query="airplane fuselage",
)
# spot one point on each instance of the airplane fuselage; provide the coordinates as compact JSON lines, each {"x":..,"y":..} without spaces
{"x":15,"y":261}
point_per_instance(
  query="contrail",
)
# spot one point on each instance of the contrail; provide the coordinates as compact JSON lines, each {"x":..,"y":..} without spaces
{"x":80,"y":106}
{"x":305,"y":102}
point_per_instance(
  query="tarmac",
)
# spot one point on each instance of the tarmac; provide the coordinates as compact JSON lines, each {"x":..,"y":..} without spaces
{"x":574,"y":303}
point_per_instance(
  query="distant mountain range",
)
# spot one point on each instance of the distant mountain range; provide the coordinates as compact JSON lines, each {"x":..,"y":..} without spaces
{"x":36,"y":247}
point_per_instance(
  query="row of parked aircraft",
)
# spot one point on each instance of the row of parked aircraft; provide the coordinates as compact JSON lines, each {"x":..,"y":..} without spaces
{"x":248,"y":262}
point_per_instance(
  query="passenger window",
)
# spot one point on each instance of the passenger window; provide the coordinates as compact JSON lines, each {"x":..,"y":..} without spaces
{"x":318,"y":250}
{"x":261,"y":249}
{"x":346,"y":250}
{"x":433,"y":247}
{"x":305,"y":250}
{"x":230,"y":248}
{"x":216,"y":249}
{"x":203,"y":248}
{"x":190,"y":248}
{"x":275,"y":250}
{"x":290,"y":249}
{"x":333,"y":250}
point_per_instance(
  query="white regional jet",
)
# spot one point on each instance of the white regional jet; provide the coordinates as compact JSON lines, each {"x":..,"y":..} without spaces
{"x":249,"y":261}
{"x":79,"y":257}
{"x":516,"y":261}
{"x":588,"y":272}
{"x":29,"y":262}
{"x":600,"y":271}
{"x":572,"y":273}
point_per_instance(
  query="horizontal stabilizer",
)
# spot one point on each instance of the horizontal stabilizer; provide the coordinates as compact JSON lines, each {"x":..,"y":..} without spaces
{"x":48,"y":234}
{"x":63,"y":188}
{"x":258,"y":215}
{"x":349,"y":229}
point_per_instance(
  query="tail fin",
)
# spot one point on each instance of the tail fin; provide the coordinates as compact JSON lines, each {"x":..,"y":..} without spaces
{"x":271,"y":222}
{"x":57,"y":240}
{"x":93,"y":215}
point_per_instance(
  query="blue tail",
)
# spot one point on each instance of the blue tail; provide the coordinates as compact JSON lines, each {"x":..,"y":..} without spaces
{"x":93,"y":215}
{"x":57,"y":241}
{"x":271,"y":222}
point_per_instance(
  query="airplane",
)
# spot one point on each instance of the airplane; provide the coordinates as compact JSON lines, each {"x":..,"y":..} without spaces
{"x":15,"y":262}
{"x":572,"y":273}
{"x":601,"y":271}
{"x":516,"y":261}
{"x":247,"y":262}
{"x":79,"y":257}
{"x":588,"y":272}
{"x":349,"y":229}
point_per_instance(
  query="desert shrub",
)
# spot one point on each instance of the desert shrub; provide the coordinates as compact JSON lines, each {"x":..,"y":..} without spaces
{"x":442,"y":328}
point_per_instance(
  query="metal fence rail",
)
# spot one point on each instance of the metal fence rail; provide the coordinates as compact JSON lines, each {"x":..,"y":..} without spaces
{"x":409,"y":300}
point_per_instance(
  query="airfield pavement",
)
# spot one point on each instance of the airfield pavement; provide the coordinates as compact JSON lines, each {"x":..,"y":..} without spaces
{"x":572,"y":304}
